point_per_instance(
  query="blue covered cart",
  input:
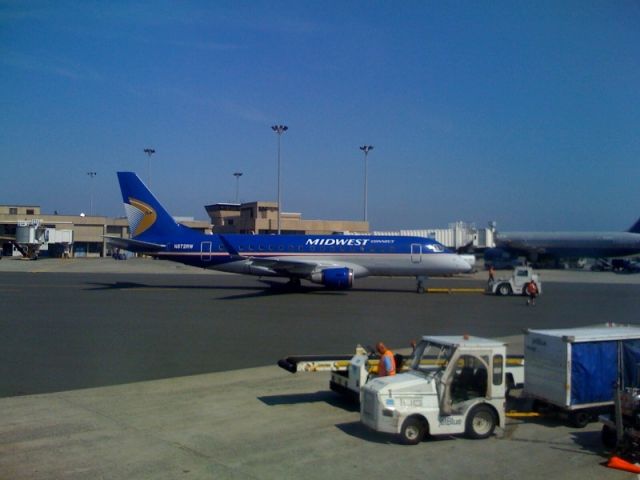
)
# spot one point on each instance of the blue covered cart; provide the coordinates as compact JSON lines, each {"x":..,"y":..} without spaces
{"x":575,"y":370}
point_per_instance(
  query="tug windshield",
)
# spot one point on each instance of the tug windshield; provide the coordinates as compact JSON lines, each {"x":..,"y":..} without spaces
{"x":431,"y":358}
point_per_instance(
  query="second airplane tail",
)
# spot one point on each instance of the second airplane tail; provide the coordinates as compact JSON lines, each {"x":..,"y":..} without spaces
{"x":148,"y":220}
{"x":635,"y":228}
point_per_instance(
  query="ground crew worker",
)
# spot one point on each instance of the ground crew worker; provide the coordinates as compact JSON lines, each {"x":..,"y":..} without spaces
{"x":387,"y":364}
{"x":532,"y":292}
{"x":492,"y":273}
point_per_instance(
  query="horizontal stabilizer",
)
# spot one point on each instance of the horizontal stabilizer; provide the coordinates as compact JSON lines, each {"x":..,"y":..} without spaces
{"x":134,"y":245}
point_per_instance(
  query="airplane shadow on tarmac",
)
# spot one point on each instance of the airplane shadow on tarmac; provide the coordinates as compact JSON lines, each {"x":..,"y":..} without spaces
{"x":273,"y":288}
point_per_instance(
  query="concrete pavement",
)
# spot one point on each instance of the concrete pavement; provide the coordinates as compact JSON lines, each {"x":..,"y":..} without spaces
{"x":260,"y":423}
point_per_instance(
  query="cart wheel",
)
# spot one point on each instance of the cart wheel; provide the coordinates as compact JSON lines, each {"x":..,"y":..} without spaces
{"x":481,"y":422}
{"x":579,"y":418}
{"x":413,"y":431}
{"x":504,"y":289}
{"x":609,"y":437}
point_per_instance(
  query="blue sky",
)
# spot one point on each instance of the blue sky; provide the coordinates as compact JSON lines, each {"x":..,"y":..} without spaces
{"x":526,"y":113}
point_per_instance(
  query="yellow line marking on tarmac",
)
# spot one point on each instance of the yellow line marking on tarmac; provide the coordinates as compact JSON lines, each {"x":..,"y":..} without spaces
{"x":455,"y":290}
{"x":522,"y":414}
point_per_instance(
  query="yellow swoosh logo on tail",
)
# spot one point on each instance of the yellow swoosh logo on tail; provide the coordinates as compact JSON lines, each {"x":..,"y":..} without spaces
{"x":149,"y":216}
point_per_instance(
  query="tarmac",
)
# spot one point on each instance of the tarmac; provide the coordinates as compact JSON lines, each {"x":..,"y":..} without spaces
{"x":260,"y":423}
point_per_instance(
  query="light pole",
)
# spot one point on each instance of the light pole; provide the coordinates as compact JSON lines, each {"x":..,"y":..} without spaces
{"x":366,"y":149}
{"x":237,"y":175}
{"x":149,"y":152}
{"x":91,"y":174}
{"x":279,"y":129}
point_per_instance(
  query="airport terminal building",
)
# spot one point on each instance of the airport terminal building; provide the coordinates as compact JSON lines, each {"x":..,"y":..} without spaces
{"x":262,"y":218}
{"x":59,"y":235}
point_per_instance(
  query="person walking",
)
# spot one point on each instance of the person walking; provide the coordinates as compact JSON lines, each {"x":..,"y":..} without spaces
{"x":532,"y":292}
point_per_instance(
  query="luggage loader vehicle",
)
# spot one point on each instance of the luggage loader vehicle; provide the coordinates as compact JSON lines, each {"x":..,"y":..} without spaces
{"x":348,"y":372}
{"x":462,"y":391}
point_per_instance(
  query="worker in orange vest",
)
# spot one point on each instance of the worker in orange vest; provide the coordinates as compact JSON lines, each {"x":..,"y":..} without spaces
{"x":387,"y":364}
{"x":532,"y":292}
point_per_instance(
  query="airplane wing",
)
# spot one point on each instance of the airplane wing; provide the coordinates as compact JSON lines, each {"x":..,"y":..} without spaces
{"x":134,"y":245}
{"x":287,"y":266}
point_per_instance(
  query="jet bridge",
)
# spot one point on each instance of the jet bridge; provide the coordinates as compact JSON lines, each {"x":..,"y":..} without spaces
{"x":30,"y":236}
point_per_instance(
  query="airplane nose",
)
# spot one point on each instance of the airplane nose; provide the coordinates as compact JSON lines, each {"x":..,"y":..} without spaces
{"x":469,"y":260}
{"x":465,"y":267}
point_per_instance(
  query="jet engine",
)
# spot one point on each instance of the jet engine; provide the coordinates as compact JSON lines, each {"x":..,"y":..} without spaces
{"x":336,"y":278}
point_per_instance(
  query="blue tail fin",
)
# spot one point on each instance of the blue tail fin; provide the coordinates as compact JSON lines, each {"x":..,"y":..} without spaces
{"x":635,"y":228}
{"x":148,"y":220}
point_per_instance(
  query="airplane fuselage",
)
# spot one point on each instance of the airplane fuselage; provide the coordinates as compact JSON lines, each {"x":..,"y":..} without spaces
{"x":365,"y":255}
{"x":572,"y":244}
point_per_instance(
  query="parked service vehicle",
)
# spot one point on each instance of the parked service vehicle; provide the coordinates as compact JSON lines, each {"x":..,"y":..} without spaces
{"x":574,"y":370}
{"x":459,"y":384}
{"x":516,"y":284}
{"x":456,"y":384}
